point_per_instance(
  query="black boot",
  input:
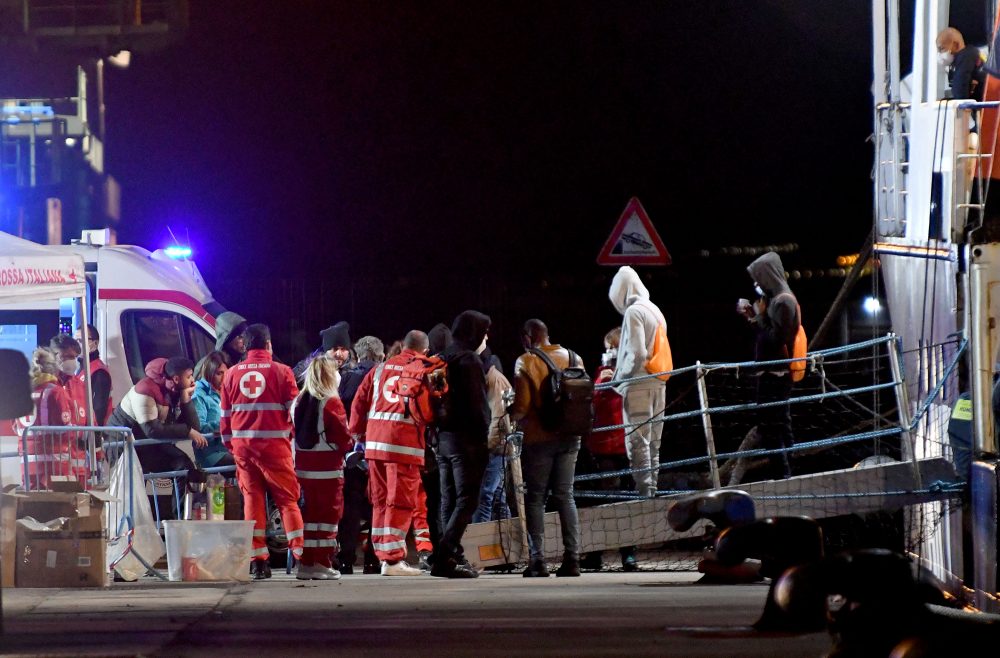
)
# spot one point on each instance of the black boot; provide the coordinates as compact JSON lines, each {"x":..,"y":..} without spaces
{"x":592,"y":561}
{"x":570,"y":567}
{"x":536,"y":569}
{"x":260,"y":570}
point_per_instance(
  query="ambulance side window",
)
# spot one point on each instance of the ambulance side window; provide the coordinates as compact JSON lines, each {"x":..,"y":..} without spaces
{"x":199,"y":341}
{"x":149,"y":335}
{"x":152,"y":334}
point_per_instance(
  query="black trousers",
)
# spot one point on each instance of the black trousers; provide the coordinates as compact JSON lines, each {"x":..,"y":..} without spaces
{"x":775,"y":423}
{"x":357,"y":510}
{"x":461,"y":464}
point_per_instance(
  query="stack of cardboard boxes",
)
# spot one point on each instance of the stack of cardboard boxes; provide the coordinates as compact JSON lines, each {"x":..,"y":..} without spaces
{"x":54,"y":538}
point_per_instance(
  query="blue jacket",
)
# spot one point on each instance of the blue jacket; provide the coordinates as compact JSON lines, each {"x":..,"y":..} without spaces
{"x":208,"y":405}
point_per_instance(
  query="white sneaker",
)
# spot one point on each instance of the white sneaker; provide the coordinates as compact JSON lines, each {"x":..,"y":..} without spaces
{"x":400,"y":568}
{"x":316,"y":572}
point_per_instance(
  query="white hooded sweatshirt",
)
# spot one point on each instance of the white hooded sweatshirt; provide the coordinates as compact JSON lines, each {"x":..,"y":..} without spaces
{"x":640,"y":319}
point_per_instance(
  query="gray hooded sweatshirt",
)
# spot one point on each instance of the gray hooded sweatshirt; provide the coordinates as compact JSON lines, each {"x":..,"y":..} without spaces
{"x":640,"y":317}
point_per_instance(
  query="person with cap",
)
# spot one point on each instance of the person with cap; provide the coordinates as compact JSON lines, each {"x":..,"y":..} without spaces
{"x":229,"y":328}
{"x":336,"y":344}
{"x":160,"y":406}
{"x":462,"y":451}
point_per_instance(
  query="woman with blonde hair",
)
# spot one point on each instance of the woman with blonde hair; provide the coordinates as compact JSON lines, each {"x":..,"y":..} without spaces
{"x":321,"y":442}
{"x":50,"y":454}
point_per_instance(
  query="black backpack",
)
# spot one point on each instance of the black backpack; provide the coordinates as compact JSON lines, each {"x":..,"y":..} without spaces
{"x":567,"y":397}
{"x":306,"y":419}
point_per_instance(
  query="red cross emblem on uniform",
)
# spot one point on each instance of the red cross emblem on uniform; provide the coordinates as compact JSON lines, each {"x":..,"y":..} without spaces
{"x":252,"y":385}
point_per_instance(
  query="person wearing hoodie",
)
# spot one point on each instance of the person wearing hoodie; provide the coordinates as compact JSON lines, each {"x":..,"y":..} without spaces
{"x":643,"y":400}
{"x":492,"y":502}
{"x":159,"y":406}
{"x":462,"y":452}
{"x":775,"y":321}
{"x":229,"y":328}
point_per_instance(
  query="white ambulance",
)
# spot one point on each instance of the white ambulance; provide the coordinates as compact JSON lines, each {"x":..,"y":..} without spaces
{"x":144,"y":305}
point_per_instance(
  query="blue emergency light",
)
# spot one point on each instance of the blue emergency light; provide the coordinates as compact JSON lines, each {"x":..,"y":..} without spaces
{"x":178,"y":252}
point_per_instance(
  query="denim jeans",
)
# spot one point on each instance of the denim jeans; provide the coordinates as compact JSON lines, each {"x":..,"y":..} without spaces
{"x":461,"y":463}
{"x":550,"y":467}
{"x":491,"y":489}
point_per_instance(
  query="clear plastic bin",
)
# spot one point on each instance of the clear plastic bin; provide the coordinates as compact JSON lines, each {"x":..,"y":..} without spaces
{"x":208,"y":550}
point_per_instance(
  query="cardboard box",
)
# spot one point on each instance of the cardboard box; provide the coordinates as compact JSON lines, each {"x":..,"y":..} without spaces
{"x":66,"y":552}
{"x":72,"y":554}
{"x":8,"y":538}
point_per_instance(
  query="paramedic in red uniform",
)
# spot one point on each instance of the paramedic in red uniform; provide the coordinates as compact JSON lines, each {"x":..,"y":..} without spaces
{"x":100,"y":378}
{"x":321,"y":442}
{"x":257,"y":395}
{"x":68,"y":352}
{"x":48,"y":454}
{"x":394,"y":448}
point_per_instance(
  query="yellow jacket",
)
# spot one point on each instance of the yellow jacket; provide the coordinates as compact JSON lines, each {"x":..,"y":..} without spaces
{"x":530,"y":372}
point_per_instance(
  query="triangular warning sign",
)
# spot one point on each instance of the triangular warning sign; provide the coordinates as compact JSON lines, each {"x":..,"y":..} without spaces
{"x":634,"y":240}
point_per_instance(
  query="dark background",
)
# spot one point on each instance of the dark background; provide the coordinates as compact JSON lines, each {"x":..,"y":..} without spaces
{"x":392,"y":164}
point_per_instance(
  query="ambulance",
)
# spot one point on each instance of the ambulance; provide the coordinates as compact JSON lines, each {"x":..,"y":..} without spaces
{"x":144,"y":305}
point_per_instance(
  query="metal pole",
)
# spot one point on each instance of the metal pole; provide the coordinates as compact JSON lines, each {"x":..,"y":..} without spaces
{"x":706,"y":420}
{"x":981,"y":372}
{"x":518,"y":478}
{"x":903,"y":403}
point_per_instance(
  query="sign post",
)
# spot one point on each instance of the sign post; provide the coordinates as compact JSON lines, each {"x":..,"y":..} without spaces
{"x":634,"y":240}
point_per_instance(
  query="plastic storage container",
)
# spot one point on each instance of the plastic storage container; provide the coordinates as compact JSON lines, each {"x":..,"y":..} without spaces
{"x":208,"y":550}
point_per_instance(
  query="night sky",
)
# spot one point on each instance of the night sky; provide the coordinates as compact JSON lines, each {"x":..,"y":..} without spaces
{"x":432,"y":150}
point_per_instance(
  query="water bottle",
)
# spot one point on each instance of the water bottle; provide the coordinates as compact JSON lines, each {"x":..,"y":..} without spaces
{"x":216,"y":497}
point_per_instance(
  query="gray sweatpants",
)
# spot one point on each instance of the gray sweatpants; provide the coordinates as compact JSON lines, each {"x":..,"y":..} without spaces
{"x":642,"y":443}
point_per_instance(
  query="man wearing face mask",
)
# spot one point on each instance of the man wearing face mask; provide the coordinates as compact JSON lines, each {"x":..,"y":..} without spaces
{"x":965,"y":65}
{"x":462,"y":451}
{"x":160,"y":407}
{"x":67,"y":356}
{"x":100,"y":378}
{"x":775,"y":320}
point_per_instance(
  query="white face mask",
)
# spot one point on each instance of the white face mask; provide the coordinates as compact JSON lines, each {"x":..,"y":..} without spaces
{"x":482,"y":345}
{"x":946,"y":58}
{"x":609,"y":355}
{"x":760,"y":291}
{"x":68,"y":367}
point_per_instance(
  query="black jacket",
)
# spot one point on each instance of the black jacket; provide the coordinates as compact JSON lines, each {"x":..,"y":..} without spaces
{"x":966,"y":68}
{"x":468,"y":410}
{"x":777,"y":326}
{"x":350,"y":380}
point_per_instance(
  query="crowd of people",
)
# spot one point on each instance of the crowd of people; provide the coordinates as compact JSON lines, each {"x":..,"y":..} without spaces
{"x":341,"y":449}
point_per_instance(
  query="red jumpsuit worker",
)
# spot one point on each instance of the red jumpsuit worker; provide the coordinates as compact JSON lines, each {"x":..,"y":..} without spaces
{"x":321,"y":443}
{"x":394,"y":448}
{"x":48,"y":454}
{"x":421,"y":530}
{"x":257,"y":394}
